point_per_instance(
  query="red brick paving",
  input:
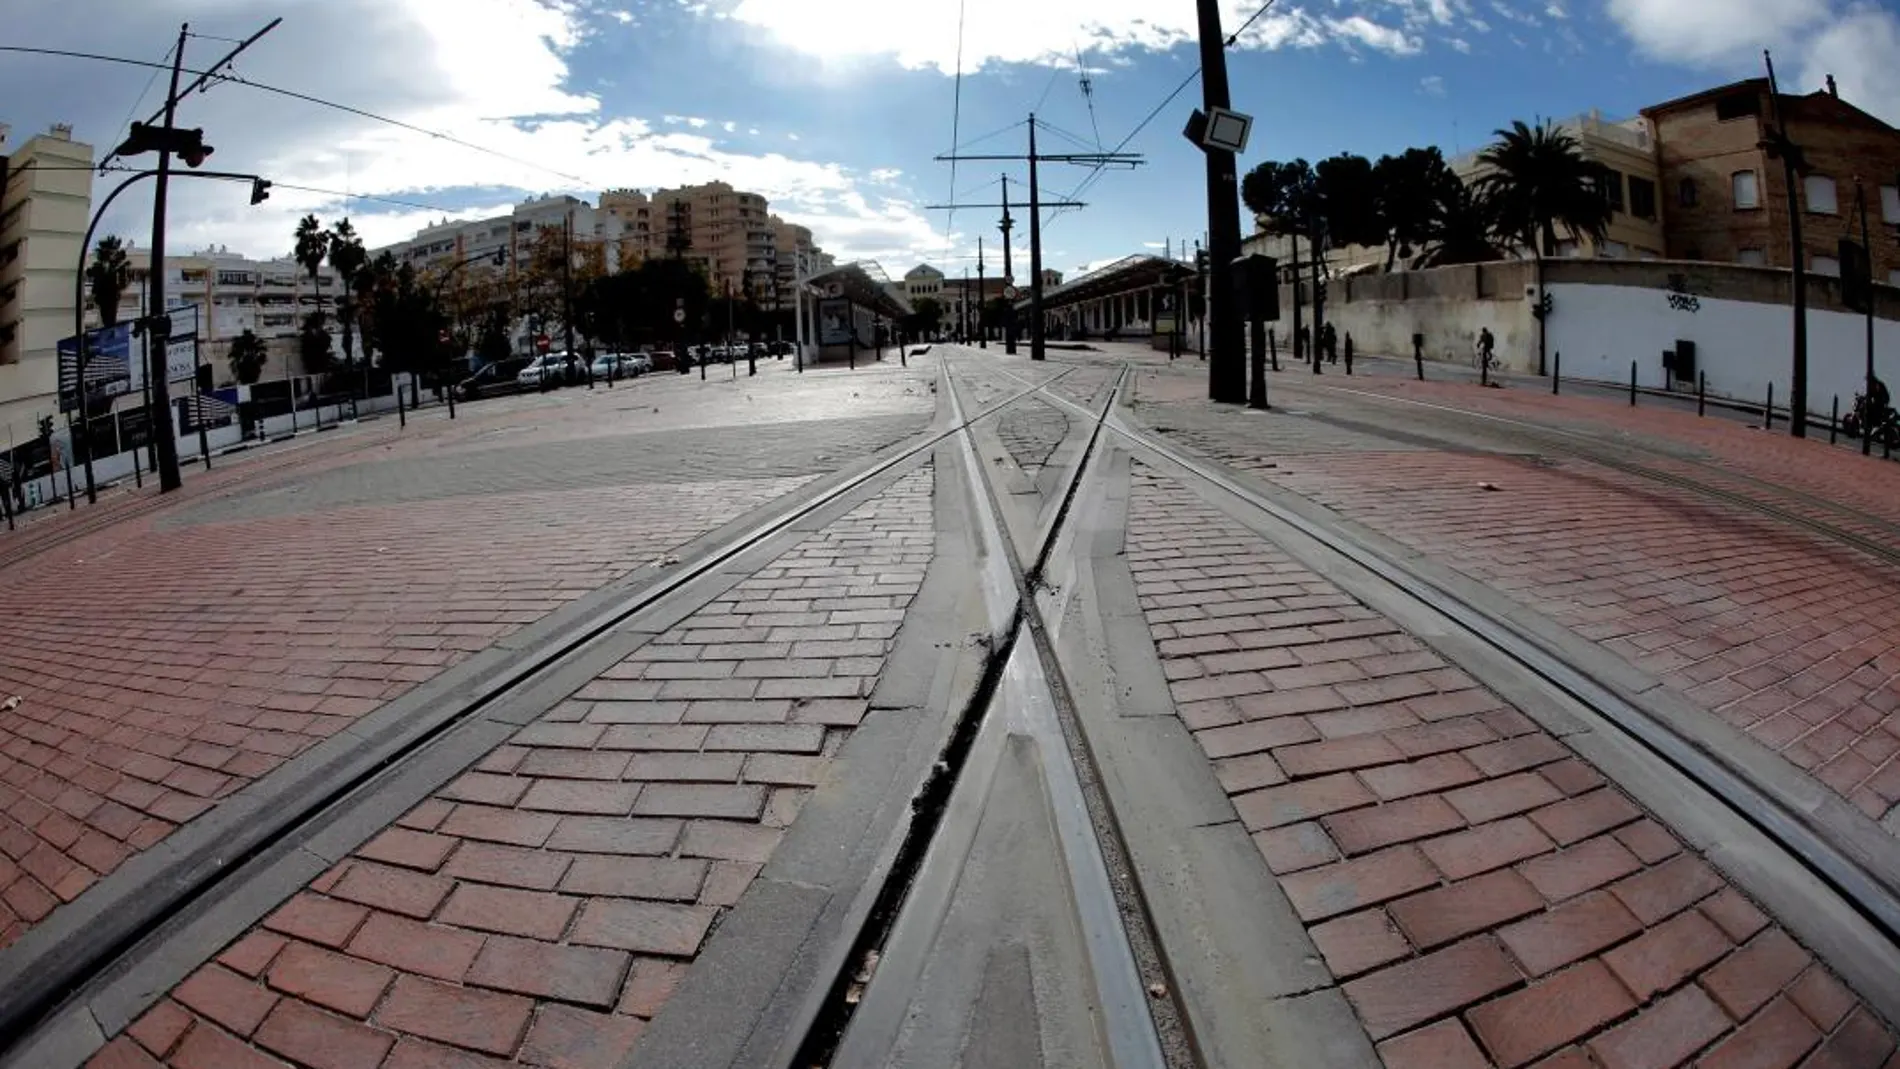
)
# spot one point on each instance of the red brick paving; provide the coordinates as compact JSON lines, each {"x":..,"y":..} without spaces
{"x":538,"y":910}
{"x":153,"y":688}
{"x":1479,"y":892}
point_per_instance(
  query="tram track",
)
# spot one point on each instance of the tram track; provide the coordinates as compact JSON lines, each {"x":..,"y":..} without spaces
{"x":208,"y":872}
{"x":1858,"y":865}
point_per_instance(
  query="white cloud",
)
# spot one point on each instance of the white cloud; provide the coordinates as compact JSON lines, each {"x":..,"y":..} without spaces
{"x":1459,"y":44}
{"x":625,"y":18}
{"x":1860,"y":51}
{"x":1432,"y":85}
{"x":492,"y":73}
{"x":918,"y":37}
{"x":1555,"y":9}
{"x":1511,"y":14}
{"x":1855,"y":42}
{"x":1375,"y":36}
{"x":1710,"y":31}
{"x":886,"y":174}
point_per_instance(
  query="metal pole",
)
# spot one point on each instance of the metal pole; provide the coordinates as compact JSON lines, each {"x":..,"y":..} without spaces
{"x":567,"y":293}
{"x":1798,"y":385}
{"x":1556,"y":373}
{"x":1768,"y":411}
{"x":1632,"y":382}
{"x":1833,"y":419}
{"x":1257,"y":391}
{"x":1227,"y":369}
{"x":197,"y":396}
{"x":982,"y":334}
{"x":162,"y":431}
{"x":1701,"y":393}
{"x":1009,"y":270}
{"x":798,"y":308}
{"x":1860,"y":196}
{"x":402,"y":416}
{"x":1036,"y":349}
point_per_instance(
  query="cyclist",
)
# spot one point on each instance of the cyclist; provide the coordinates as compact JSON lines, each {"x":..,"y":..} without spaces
{"x":1486,"y":347}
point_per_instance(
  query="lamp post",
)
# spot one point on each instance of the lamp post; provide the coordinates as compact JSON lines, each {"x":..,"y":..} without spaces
{"x":499,"y":258}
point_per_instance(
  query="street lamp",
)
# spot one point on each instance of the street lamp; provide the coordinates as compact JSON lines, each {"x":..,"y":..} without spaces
{"x":260,"y":190}
{"x":498,"y":258}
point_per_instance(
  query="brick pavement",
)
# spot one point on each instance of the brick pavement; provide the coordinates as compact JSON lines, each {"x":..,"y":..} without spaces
{"x":1031,"y":430}
{"x":168,"y":659}
{"x":1778,"y":630}
{"x":540,"y":908}
{"x":1481,"y":894}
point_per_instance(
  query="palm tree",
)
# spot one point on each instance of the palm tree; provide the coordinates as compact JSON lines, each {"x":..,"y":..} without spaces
{"x":1540,"y":182}
{"x":1458,"y":228}
{"x":247,"y":357}
{"x":108,"y":276}
{"x":313,"y":247}
{"x":347,"y":259}
{"x":1411,"y":188}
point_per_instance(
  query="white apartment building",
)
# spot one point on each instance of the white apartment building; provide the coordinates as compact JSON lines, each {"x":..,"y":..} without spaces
{"x":44,"y":209}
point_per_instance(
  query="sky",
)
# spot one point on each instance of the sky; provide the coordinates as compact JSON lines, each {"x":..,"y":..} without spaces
{"x":837,"y":110}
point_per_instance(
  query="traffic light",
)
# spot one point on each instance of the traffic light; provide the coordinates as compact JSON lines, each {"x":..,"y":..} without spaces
{"x":189,"y":145}
{"x":260,"y":191}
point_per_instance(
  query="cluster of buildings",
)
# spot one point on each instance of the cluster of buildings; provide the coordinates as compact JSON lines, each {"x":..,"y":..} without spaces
{"x":730,"y":235}
{"x":960,"y":298}
{"x":1692,"y":179}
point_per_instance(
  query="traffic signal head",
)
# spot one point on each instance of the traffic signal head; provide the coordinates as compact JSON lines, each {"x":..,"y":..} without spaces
{"x":260,"y":190}
{"x":188,"y":144}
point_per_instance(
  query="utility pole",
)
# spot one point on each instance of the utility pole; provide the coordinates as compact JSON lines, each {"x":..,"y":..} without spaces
{"x":1036,"y":349}
{"x":1094,"y":159}
{"x":157,"y":339}
{"x":982,"y":333}
{"x":1009,"y":273}
{"x":963,"y":307}
{"x":1792,"y":163}
{"x":567,"y":294}
{"x":1867,"y":292}
{"x":1227,"y":366}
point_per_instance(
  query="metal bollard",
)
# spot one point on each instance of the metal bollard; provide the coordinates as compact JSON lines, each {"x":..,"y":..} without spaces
{"x":1349,"y":353}
{"x":402,"y":417}
{"x":1833,"y":418}
{"x":1632,"y":384}
{"x":1701,"y":393}
{"x":1273,"y":348}
{"x":1768,"y":411}
{"x":1556,"y":371}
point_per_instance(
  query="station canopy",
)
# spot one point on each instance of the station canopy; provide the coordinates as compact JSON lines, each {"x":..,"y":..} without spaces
{"x":863,"y":283}
{"x":1126,"y":275}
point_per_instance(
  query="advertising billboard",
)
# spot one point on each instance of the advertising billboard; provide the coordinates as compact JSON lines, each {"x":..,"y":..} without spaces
{"x":116,"y":361}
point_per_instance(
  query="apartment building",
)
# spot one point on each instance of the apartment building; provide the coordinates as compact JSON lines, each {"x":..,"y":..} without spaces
{"x":45,"y":205}
{"x":233,"y":294}
{"x":1626,"y":148}
{"x":797,"y":255}
{"x":729,"y":232}
{"x":1728,"y":200}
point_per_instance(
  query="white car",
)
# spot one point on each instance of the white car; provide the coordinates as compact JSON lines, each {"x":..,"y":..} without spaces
{"x":551,"y":365}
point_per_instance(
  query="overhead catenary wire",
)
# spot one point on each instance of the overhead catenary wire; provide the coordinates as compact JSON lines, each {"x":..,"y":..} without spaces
{"x":956,"y":124}
{"x":125,"y":124}
{"x":306,"y":98}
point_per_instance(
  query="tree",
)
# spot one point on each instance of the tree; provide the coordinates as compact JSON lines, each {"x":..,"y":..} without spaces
{"x":1458,"y":228}
{"x":108,"y":276}
{"x":347,"y":259}
{"x":926,"y":315}
{"x":313,"y":345}
{"x":1347,"y":199}
{"x":1282,"y":196}
{"x":1540,"y":182}
{"x":313,"y":246}
{"x":1412,"y":188}
{"x":248,"y":356}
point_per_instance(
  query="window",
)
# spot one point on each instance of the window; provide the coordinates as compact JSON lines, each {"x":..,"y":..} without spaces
{"x":1890,"y":203}
{"x":1824,"y":265}
{"x":1747,"y":195}
{"x":1612,"y":180}
{"x":1737,"y":106}
{"x":1642,"y":198}
{"x":1685,"y":192}
{"x":1819,"y":191}
{"x":1752,"y":257}
{"x":1893,"y":277}
{"x":1615,"y":250}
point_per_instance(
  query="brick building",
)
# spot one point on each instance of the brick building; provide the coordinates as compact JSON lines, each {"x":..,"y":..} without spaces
{"x":1727,"y":201}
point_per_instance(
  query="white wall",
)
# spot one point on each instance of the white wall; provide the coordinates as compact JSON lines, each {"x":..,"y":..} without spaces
{"x":1741,"y":345}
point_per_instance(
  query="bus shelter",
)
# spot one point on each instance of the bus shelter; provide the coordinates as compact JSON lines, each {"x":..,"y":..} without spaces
{"x":857,"y":309}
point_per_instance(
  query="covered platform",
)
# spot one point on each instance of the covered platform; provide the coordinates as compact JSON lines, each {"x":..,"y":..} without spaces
{"x":1133,"y":297}
{"x":856,"y":307}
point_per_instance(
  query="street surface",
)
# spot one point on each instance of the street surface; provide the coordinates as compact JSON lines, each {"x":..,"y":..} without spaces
{"x":978,"y":712}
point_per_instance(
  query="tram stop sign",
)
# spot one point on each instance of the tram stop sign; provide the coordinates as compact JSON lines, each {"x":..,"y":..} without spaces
{"x":679,"y":315}
{"x":542,"y":343}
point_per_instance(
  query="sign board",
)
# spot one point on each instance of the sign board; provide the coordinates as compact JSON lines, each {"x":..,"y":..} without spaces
{"x":116,"y":361}
{"x":542,"y":342}
{"x":679,"y":315}
{"x":1009,"y":293}
{"x":834,"y":322}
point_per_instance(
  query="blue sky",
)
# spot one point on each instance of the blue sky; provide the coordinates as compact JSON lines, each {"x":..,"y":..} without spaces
{"x":835,"y":108}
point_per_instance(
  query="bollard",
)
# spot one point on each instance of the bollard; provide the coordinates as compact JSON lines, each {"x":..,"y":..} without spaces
{"x":1833,"y":418}
{"x":6,"y":502}
{"x":402,"y":417}
{"x":1418,"y":354}
{"x":1701,"y":393}
{"x":1273,"y":348}
{"x":1632,"y":384}
{"x":1348,"y":352}
{"x":1556,"y":372}
{"x":1768,"y":410}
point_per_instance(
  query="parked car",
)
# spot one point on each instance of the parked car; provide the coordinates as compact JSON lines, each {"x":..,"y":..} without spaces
{"x":611,"y":365}
{"x":637,"y":363}
{"x":500,"y":377}
{"x":779,"y":348}
{"x":560,"y":369}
